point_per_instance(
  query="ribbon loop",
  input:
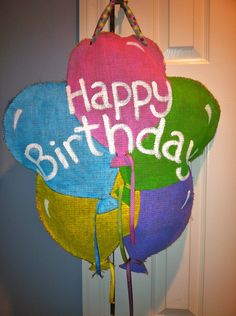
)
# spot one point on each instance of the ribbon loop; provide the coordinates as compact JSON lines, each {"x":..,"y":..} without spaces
{"x":106,"y":14}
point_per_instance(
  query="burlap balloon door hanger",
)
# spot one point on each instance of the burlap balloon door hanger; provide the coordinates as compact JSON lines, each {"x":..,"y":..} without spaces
{"x":154,"y":126}
{"x":111,"y":147}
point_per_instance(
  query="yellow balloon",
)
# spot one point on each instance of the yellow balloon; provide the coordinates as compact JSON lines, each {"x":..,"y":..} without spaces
{"x":70,"y":222}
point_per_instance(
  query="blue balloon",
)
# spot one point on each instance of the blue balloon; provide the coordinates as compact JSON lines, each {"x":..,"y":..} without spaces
{"x":42,"y":135}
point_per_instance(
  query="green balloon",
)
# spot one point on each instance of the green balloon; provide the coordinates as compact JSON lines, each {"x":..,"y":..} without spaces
{"x":179,"y":138}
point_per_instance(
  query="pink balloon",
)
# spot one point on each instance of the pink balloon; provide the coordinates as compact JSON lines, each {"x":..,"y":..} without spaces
{"x":117,"y":87}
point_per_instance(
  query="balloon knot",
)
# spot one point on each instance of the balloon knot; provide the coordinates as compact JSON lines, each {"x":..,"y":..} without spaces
{"x":120,"y":161}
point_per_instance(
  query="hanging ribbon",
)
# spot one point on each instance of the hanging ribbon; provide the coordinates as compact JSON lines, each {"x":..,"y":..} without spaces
{"x":103,"y":20}
{"x":134,"y":24}
{"x":130,"y":16}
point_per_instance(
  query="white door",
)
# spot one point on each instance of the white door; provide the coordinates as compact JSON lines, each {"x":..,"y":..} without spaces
{"x":197,"y":275}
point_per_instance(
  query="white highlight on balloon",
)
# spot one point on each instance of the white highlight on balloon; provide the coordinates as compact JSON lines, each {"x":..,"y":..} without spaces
{"x":209,"y":112}
{"x":16,"y":117}
{"x":135,"y":44}
{"x":186,"y":200}
{"x":192,"y":155}
{"x":46,"y":204}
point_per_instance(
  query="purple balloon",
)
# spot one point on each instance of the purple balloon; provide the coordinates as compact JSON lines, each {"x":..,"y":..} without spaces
{"x":164,"y":214}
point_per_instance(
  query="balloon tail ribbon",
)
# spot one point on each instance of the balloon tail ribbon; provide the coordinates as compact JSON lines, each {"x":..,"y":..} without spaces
{"x":130,"y":288}
{"x":120,"y":226}
{"x":112,"y":284}
{"x":136,"y":266}
{"x":123,"y":253}
{"x":96,"y":249}
{"x":132,"y":199}
{"x":132,"y":235}
{"x":127,"y":160}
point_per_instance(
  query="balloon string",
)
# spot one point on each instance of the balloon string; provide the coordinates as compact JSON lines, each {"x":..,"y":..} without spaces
{"x":96,"y":249}
{"x":132,"y":199}
{"x":120,"y":226}
{"x":130,"y":288}
{"x":112,"y":283}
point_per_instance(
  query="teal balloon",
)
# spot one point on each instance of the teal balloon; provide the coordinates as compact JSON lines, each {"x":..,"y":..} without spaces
{"x":39,"y":132}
